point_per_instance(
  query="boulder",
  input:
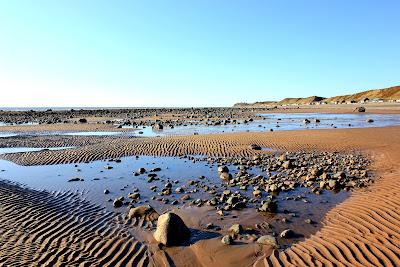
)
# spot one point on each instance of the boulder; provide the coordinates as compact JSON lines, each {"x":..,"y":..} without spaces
{"x":171,"y":230}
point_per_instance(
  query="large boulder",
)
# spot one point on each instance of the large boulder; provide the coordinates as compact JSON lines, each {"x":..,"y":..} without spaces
{"x":171,"y":230}
{"x":145,"y":211}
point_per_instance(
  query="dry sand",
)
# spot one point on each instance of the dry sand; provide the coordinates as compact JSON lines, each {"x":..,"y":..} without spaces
{"x":362,"y":231}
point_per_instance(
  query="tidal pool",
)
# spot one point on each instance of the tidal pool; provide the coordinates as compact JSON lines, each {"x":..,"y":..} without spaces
{"x":295,"y":205}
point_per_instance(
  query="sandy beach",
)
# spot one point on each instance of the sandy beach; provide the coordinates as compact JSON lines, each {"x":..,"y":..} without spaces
{"x":61,"y":228}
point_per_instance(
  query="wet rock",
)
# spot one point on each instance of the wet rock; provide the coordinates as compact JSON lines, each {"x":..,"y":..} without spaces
{"x":360,"y":109}
{"x":141,"y":170}
{"x":222,"y":169}
{"x":227,"y":240}
{"x":288,"y":233}
{"x":118,"y":203}
{"x":257,"y":193}
{"x":158,"y":126}
{"x":146,"y":211}
{"x":308,"y":221}
{"x":268,"y":206}
{"x":76,"y":179}
{"x":185,"y":197}
{"x":369,"y":120}
{"x":225,"y":176}
{"x":171,"y":230}
{"x":106,"y":191}
{"x":268,"y":240}
{"x":254,"y":147}
{"x":287,"y":164}
{"x":236,"y":229}
{"x":108,"y":167}
{"x":134,"y":195}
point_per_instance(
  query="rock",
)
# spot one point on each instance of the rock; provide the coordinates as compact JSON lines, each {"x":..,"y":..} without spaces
{"x":254,"y":147}
{"x":185,"y":197}
{"x":268,"y":206}
{"x":118,"y":203}
{"x":158,"y":126}
{"x":237,"y":229}
{"x":225,"y":176}
{"x":179,"y":190}
{"x":146,"y":211}
{"x":222,"y":169}
{"x":332,"y":184}
{"x":370,"y":120}
{"x":360,"y":109}
{"x":227,"y":240}
{"x":257,"y":193}
{"x":82,"y":120}
{"x":141,"y":170}
{"x":232,"y":200}
{"x":108,"y":167}
{"x":306,"y":121}
{"x":287,"y":164}
{"x":268,"y":240}
{"x":134,"y":195}
{"x":309,"y":221}
{"x":171,"y":230}
{"x":77,"y":179}
{"x":106,"y":191}
{"x":288,"y":233}
{"x":282,"y":157}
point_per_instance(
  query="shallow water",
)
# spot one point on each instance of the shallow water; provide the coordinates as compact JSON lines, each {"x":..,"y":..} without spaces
{"x":120,"y":181}
{"x":277,"y":121}
{"x":274,"y":121}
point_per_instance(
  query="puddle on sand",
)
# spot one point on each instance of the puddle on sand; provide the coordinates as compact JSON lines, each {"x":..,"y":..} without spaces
{"x":120,"y":181}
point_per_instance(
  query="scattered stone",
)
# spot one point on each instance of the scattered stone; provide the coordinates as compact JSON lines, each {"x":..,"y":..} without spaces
{"x":146,"y":211}
{"x":227,"y":240}
{"x":288,"y":233}
{"x":118,"y":203}
{"x":268,"y":240}
{"x":77,"y":179}
{"x":237,"y":229}
{"x":360,"y":109}
{"x":254,"y":147}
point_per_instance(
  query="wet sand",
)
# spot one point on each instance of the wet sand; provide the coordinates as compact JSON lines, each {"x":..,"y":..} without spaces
{"x":364,"y":230}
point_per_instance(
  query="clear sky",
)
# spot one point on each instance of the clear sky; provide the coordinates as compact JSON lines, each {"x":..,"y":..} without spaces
{"x":193,"y":53}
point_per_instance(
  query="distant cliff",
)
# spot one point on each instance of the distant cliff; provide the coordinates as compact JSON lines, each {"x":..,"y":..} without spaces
{"x":391,"y":93}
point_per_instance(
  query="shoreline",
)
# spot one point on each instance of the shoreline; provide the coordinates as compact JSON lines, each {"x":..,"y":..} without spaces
{"x":369,"y":216}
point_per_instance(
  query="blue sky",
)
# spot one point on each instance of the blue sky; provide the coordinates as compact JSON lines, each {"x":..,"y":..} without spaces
{"x":193,"y":53}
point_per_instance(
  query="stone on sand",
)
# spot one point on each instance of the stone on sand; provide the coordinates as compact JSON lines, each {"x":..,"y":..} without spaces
{"x":171,"y":230}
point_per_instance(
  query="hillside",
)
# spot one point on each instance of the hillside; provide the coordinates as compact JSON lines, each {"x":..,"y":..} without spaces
{"x":391,"y":93}
{"x":300,"y":101}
